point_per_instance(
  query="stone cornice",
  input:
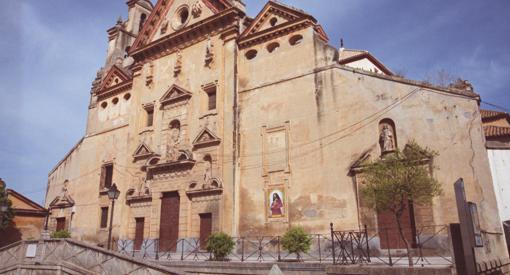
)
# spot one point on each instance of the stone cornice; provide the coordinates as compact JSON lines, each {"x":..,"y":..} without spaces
{"x":266,"y":35}
{"x":115,"y":90}
{"x":216,"y":24}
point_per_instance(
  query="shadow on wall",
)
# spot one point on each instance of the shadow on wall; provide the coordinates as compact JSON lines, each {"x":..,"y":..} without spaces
{"x":9,"y":235}
{"x":506,"y":226}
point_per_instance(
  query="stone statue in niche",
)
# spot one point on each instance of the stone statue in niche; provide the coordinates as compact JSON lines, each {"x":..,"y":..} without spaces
{"x":174,"y":140}
{"x":209,"y":55}
{"x":207,"y":170}
{"x":178,"y":63}
{"x":196,"y":9}
{"x":387,"y":139}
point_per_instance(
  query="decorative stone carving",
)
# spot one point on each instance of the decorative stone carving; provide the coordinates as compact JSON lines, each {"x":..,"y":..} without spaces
{"x":196,"y":9}
{"x":150,"y":75}
{"x":178,"y":63}
{"x":64,"y":200}
{"x":387,"y":139}
{"x":164,"y":27}
{"x":209,"y":55}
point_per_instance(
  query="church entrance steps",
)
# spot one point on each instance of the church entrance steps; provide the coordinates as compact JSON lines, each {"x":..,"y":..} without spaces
{"x":71,"y":257}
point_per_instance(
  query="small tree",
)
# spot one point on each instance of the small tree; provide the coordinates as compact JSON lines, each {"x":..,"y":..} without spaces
{"x":296,"y":240}
{"x":220,"y":245}
{"x":397,"y":179}
{"x":62,"y":234}
{"x":8,"y":215}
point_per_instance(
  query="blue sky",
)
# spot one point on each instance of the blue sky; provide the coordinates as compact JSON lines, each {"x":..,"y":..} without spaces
{"x":51,"y":50}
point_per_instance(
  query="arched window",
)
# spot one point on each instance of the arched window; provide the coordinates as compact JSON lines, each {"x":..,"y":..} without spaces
{"x":175,"y":124}
{"x":387,"y":136}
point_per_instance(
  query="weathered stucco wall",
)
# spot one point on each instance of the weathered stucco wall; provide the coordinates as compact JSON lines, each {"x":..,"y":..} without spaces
{"x":303,"y":123}
{"x":499,"y":161}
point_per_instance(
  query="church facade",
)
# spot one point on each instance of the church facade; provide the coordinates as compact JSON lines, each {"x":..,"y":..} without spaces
{"x":208,"y":120}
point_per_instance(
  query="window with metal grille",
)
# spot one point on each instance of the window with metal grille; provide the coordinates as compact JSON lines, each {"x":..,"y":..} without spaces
{"x":104,"y":217}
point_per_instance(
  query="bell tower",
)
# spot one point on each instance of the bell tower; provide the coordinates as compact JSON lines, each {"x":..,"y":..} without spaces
{"x":124,"y":33}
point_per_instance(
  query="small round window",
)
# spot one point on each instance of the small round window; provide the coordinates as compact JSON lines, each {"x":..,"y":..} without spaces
{"x":127,"y":96}
{"x":251,"y":54}
{"x":104,"y":105}
{"x":273,"y":47}
{"x":296,"y":39}
{"x":115,"y":101}
{"x":181,"y":17}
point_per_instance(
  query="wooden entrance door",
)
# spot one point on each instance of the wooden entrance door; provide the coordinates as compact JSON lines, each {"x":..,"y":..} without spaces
{"x":388,"y":229}
{"x":169,"y":223}
{"x":139,"y":233}
{"x":61,"y":224}
{"x":205,"y":229}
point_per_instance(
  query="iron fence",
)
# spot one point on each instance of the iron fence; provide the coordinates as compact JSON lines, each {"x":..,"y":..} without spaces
{"x":430,"y":245}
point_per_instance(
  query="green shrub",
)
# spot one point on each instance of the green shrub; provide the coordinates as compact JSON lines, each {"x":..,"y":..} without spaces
{"x":220,"y":245}
{"x":296,"y":240}
{"x":62,"y":234}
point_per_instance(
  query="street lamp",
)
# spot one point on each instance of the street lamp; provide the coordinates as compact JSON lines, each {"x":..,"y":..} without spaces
{"x":113,"y":194}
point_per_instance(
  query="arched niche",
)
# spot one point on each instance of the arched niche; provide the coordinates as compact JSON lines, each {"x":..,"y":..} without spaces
{"x":387,"y":136}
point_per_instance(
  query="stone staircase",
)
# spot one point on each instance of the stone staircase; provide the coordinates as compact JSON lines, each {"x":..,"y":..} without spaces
{"x":71,"y":257}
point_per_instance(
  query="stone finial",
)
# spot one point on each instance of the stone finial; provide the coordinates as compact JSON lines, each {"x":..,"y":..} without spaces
{"x":2,"y":183}
{"x":196,"y":9}
{"x":119,"y":20}
{"x":178,"y":63}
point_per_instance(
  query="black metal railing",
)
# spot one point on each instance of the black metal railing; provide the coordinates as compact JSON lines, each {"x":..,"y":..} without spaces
{"x":429,"y":245}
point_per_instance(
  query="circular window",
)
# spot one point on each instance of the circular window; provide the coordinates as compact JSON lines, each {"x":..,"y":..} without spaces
{"x":127,"y":96}
{"x":104,"y":105}
{"x":181,"y":17}
{"x":115,"y":101}
{"x":251,"y":54}
{"x":296,"y":39}
{"x":273,"y":21}
{"x":273,"y":47}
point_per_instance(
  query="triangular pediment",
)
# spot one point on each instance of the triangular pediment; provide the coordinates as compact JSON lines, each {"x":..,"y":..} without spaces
{"x":113,"y":78}
{"x":274,"y":16}
{"x":175,"y":94}
{"x":142,"y":152}
{"x":162,"y":21}
{"x":206,"y":138}
{"x":63,"y":201}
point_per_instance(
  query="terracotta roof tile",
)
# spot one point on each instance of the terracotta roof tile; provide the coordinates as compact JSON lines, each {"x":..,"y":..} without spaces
{"x":492,"y":115}
{"x":495,"y":131}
